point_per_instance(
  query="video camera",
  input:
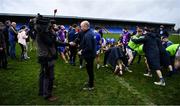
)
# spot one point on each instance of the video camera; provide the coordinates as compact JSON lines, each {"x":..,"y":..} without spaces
{"x":41,"y":24}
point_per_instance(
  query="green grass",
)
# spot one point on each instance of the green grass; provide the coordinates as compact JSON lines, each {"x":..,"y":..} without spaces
{"x":19,"y":85}
{"x":116,"y":36}
{"x":175,"y":39}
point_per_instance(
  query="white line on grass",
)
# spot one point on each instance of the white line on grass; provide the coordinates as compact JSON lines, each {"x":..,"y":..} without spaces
{"x":139,"y":95}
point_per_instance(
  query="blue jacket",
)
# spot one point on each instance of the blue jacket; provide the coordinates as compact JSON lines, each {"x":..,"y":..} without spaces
{"x":167,"y":44}
{"x":72,"y":35}
{"x":163,"y":33}
{"x":88,"y":44}
{"x":98,"y":39}
{"x":12,"y":35}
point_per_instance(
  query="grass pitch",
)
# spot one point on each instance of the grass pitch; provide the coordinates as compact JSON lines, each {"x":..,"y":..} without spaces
{"x":19,"y":84}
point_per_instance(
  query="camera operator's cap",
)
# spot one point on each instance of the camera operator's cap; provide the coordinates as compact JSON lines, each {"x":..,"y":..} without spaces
{"x":162,"y":26}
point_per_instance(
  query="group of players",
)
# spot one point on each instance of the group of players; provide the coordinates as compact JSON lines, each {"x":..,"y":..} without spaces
{"x":88,"y":43}
{"x":150,"y":43}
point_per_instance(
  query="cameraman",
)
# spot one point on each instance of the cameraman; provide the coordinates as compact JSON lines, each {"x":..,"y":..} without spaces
{"x":46,"y":44}
{"x":3,"y":58}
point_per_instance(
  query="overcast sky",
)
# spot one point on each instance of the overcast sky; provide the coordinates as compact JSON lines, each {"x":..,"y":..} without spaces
{"x":141,"y":10}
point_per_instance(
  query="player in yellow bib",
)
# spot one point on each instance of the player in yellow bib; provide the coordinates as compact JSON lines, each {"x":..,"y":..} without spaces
{"x":174,"y":51}
{"x":133,"y":46}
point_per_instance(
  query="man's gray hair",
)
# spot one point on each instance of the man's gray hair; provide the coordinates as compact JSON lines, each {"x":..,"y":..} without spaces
{"x":86,"y":23}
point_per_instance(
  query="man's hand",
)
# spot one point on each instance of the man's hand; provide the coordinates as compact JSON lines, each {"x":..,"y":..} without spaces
{"x":80,"y":52}
{"x":72,"y":43}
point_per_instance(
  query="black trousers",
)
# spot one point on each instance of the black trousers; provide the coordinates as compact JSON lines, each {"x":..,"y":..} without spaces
{"x":172,"y":59}
{"x":81,"y":60}
{"x":3,"y":59}
{"x":7,"y":48}
{"x":73,"y":52}
{"x":89,"y":68}
{"x":22,"y":51}
{"x":46,"y":78}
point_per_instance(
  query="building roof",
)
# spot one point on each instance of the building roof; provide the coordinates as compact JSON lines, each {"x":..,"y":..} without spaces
{"x":87,"y":18}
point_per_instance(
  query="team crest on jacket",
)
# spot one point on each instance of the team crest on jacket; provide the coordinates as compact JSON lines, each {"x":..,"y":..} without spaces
{"x":94,"y":37}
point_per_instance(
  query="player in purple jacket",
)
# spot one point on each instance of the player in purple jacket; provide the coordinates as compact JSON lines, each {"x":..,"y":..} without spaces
{"x":125,"y":37}
{"x":61,"y":36}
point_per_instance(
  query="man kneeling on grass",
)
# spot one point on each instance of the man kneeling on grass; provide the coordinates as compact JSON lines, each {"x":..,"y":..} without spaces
{"x":118,"y":59}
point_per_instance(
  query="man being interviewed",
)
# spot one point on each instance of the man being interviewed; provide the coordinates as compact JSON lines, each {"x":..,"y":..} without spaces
{"x":88,"y":51}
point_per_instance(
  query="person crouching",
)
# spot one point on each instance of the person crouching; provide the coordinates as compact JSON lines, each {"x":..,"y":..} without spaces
{"x":118,"y":59}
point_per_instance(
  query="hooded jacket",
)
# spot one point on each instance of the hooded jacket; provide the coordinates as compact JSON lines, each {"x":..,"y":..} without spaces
{"x":151,"y":50}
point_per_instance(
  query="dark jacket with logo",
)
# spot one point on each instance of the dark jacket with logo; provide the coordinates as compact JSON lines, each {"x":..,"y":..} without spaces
{"x":88,"y":44}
